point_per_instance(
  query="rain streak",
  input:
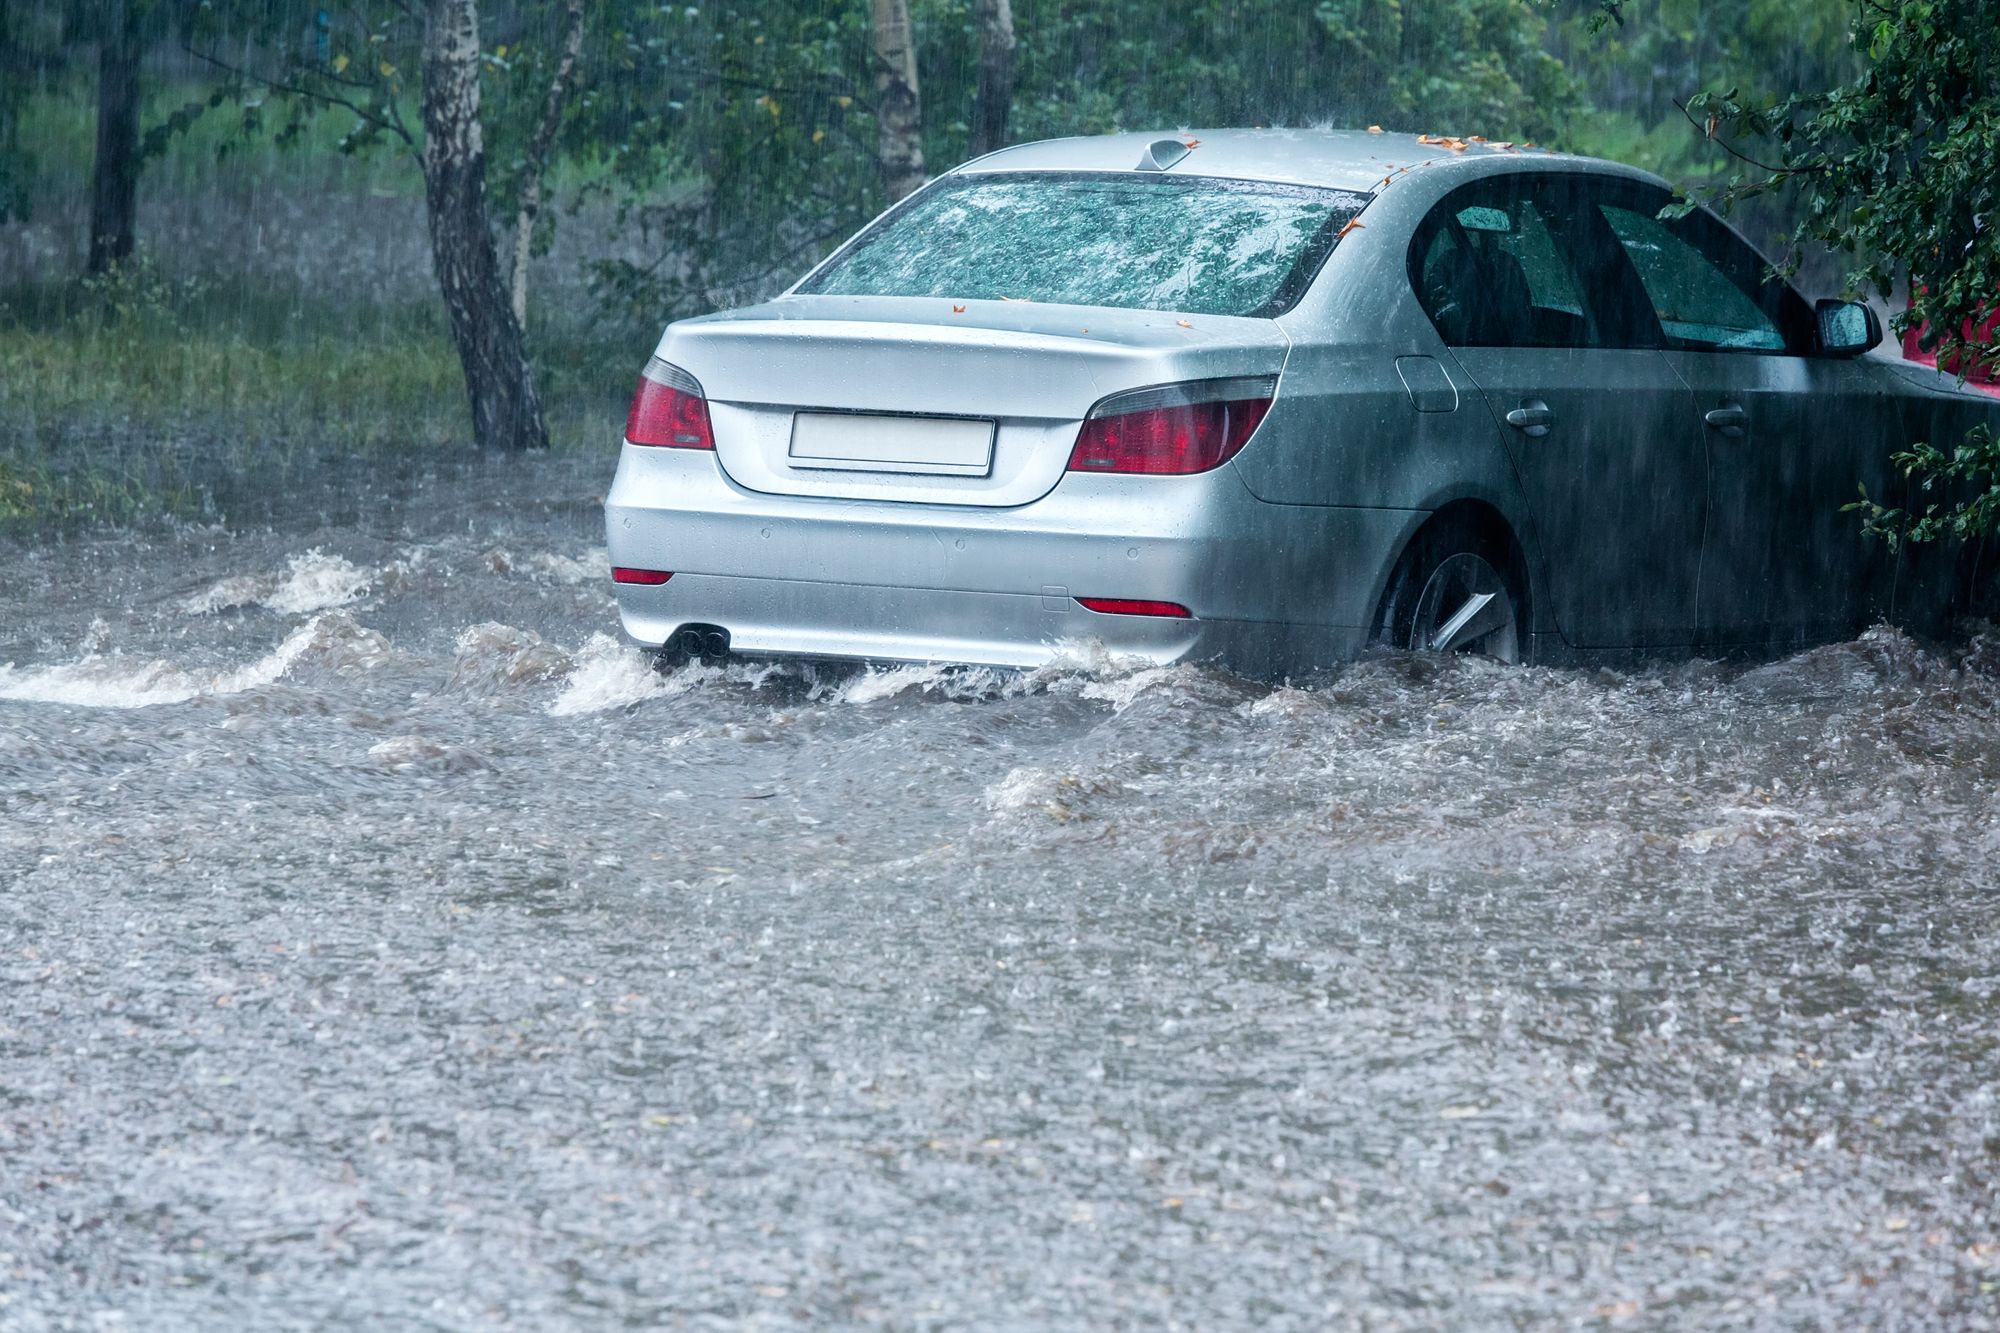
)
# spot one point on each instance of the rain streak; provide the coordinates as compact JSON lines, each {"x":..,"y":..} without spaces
{"x":1356,"y":908}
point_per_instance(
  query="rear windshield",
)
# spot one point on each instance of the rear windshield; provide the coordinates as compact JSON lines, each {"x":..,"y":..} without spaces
{"x":1202,"y":246}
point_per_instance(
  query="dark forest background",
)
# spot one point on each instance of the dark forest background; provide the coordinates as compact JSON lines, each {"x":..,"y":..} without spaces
{"x":252,"y":233}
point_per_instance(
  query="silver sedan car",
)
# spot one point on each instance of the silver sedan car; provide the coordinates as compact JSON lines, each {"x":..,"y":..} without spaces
{"x":1269,"y":397}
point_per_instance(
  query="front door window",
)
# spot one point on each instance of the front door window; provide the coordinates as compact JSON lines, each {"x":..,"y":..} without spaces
{"x":1701,"y":305}
{"x":1788,"y":434}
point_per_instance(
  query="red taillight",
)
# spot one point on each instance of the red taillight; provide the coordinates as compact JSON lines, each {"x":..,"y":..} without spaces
{"x":1131,"y":606}
{"x":623,"y":574}
{"x":1174,"y":430}
{"x":669,"y":410}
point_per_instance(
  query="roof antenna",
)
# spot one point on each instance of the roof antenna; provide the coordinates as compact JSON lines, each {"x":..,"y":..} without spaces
{"x":1161,"y":154}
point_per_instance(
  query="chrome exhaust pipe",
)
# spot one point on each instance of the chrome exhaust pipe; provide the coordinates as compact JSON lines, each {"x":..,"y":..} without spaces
{"x":693,"y":643}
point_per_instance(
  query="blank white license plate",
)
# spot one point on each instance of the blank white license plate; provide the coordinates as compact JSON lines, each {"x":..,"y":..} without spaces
{"x":952,"y":446}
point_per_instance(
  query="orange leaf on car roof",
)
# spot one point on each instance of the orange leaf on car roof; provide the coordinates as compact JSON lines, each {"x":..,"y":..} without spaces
{"x":1353,"y":224}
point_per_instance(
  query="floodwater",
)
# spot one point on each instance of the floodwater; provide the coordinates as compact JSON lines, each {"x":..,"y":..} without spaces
{"x":383,"y":943}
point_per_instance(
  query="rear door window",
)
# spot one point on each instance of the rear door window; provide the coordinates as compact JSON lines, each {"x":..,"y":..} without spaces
{"x":1496,"y":267}
{"x":1191,"y":244}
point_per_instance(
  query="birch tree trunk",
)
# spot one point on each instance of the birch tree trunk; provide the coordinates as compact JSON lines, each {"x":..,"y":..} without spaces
{"x":506,"y":411}
{"x":994,"y":98}
{"x":538,"y":157}
{"x":899,"y":148}
{"x":114,"y":180}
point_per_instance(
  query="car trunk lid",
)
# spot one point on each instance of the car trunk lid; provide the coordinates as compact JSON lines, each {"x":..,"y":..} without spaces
{"x":972,"y":403}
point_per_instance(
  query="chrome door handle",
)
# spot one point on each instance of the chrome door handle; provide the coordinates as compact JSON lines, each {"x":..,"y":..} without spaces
{"x":1730,"y":419}
{"x":1532,"y":418}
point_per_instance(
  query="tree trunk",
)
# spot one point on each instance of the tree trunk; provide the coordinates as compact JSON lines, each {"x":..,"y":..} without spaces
{"x":114,"y":184}
{"x":12,"y":202}
{"x":506,"y":411}
{"x":538,"y":157}
{"x":899,"y":148}
{"x":995,"y":96}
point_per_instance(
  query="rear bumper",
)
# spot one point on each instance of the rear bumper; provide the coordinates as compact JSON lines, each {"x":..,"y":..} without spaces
{"x":1271,"y":587}
{"x":787,"y":618}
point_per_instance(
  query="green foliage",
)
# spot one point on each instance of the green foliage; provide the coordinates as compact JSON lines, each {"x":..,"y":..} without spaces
{"x":736,"y":138}
{"x":740,"y":136}
{"x":360,"y":65}
{"x":1457,"y":66}
{"x":730,"y":144}
{"x":1973,"y":466}
{"x":737,"y":141}
{"x":1641,"y":70}
{"x":1895,"y":169}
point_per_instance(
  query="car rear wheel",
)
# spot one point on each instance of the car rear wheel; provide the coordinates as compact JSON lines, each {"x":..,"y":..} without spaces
{"x":1454,"y":593}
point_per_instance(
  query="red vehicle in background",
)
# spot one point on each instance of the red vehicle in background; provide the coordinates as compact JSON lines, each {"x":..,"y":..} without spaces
{"x":1987,"y":378}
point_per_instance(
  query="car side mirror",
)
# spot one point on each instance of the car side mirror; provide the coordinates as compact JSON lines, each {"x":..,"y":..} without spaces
{"x":1847,"y":328}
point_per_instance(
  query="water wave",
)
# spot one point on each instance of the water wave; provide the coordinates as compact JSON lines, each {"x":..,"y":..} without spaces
{"x":112,"y":680}
{"x":314,"y":582}
{"x":494,"y":656}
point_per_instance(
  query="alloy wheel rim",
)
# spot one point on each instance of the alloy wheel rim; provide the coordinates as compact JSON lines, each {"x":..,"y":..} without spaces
{"x":1465,"y":608}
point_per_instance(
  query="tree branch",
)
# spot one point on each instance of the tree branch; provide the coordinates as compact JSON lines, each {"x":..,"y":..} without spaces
{"x":1708,"y":132}
{"x":393,"y":123}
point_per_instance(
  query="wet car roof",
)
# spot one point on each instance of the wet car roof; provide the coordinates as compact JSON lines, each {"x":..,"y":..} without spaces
{"x":1344,"y":159}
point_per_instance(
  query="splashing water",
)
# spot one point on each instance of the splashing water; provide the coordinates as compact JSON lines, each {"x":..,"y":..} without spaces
{"x":315,"y":582}
{"x":440,"y":927}
{"x":99,"y":680}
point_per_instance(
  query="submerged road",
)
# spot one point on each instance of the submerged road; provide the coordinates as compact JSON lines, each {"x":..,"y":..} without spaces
{"x":383,"y":944}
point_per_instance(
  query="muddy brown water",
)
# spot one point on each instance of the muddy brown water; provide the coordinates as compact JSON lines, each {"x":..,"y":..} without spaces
{"x":382,"y":944}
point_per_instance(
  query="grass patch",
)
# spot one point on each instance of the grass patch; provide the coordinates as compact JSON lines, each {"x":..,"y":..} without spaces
{"x":33,"y":495}
{"x":139,"y":352}
{"x":138,"y":394}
